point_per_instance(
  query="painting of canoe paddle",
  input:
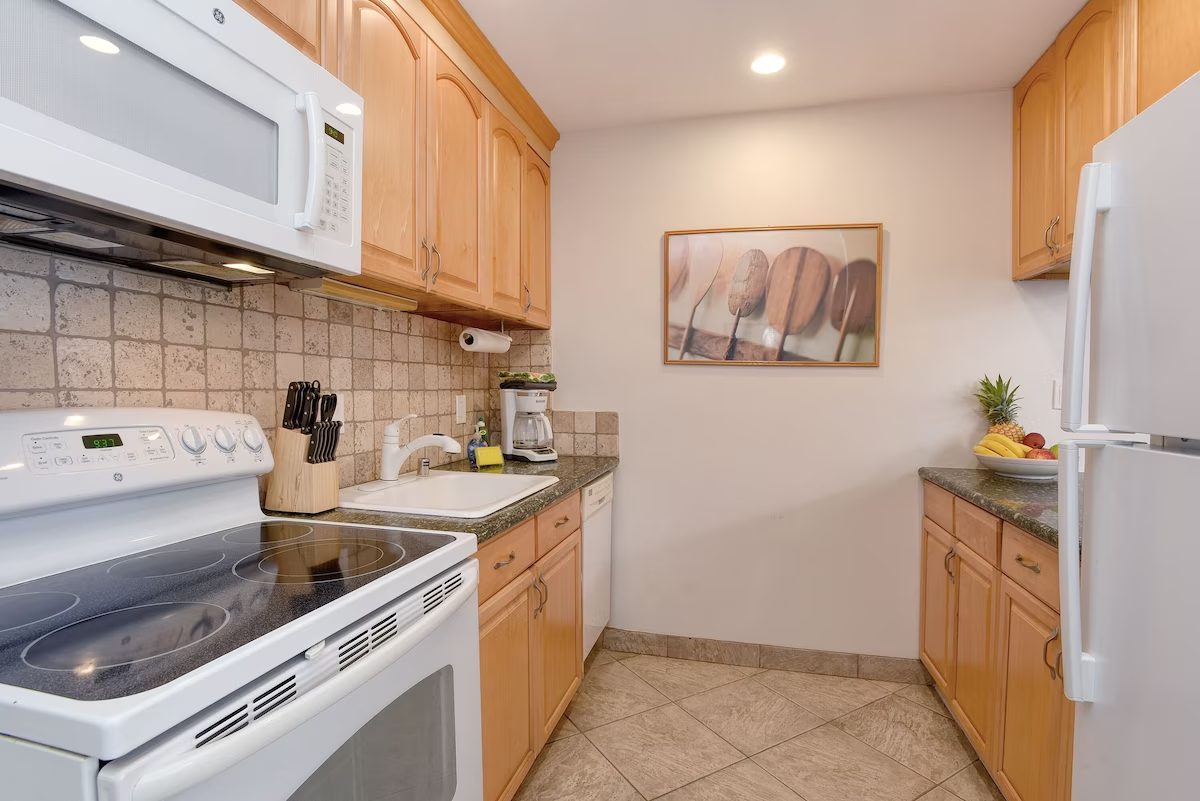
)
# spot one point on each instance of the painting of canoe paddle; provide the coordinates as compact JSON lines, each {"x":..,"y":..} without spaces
{"x":797,"y":296}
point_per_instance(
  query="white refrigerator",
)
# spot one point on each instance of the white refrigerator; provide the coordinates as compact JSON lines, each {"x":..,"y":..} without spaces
{"x":1130,"y":606}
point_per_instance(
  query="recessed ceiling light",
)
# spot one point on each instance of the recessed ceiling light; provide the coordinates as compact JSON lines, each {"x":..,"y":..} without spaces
{"x":768,"y":63}
{"x":247,"y":268}
{"x":100,"y":45}
{"x":349,"y":109}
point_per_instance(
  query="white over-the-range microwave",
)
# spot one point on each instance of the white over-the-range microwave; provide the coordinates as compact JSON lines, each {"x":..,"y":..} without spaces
{"x":175,"y":135}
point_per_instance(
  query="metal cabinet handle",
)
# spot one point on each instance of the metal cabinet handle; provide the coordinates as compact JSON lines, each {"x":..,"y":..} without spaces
{"x":424,"y":259}
{"x":946,"y":564}
{"x":1046,"y":654}
{"x":438,"y":271}
{"x":1028,"y":564}
{"x":528,"y":299}
{"x":1054,"y":246}
{"x":562,"y":521}
{"x":512,"y":556}
{"x":538,"y":584}
{"x":1046,"y":236}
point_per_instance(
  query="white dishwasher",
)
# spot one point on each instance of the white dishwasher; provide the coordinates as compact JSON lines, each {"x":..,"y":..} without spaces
{"x":597,"y":559}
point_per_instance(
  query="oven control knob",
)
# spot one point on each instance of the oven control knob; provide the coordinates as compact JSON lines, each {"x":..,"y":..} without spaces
{"x":192,"y":440}
{"x":253,"y":439}
{"x":224,"y":439}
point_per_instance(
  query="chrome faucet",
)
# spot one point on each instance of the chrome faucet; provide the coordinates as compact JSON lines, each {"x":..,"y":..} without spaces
{"x":395,"y":455}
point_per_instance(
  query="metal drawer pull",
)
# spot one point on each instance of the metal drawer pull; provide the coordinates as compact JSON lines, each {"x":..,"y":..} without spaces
{"x":562,"y":521}
{"x":946,"y":564}
{"x":1028,"y":565}
{"x":1046,"y":653}
{"x":511,"y":558}
{"x":1054,"y":246}
{"x":538,"y":584}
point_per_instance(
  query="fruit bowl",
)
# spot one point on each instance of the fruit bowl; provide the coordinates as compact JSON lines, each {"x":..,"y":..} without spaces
{"x":1022,"y":469}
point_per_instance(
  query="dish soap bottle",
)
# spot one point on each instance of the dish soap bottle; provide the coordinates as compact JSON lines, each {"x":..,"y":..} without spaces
{"x":478,"y":440}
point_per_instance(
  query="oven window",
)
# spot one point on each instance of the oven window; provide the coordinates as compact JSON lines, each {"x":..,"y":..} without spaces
{"x":405,"y":753}
{"x":132,"y":98}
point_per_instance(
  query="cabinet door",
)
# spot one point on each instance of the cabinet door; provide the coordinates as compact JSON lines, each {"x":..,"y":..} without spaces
{"x":535,"y":211}
{"x":1168,"y":46}
{"x":1087,"y":67}
{"x":456,"y":178}
{"x":558,"y":634}
{"x":506,"y":163}
{"x":301,"y":22}
{"x":975,"y":689}
{"x":384,"y":61}
{"x":1037,"y":197}
{"x":506,"y":653}
{"x":1032,"y":761}
{"x":938,"y":600}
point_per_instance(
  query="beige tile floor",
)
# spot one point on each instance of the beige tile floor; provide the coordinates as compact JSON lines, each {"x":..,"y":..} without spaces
{"x":646,"y":727}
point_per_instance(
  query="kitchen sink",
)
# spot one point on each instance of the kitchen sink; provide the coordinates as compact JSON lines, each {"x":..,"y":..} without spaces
{"x":444,"y":493}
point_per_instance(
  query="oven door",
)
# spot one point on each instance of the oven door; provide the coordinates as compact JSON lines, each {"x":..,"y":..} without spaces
{"x":400,"y":725}
{"x":184,"y":114}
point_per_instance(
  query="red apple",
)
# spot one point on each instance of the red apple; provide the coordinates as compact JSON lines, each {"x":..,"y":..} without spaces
{"x":1034,"y":440}
{"x":1040,"y":453}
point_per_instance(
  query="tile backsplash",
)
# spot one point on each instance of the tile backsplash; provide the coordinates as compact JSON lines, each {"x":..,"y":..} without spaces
{"x":80,"y":334}
{"x":585,"y":433}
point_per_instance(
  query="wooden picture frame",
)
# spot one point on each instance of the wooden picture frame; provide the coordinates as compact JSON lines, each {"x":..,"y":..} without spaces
{"x":796,"y":295}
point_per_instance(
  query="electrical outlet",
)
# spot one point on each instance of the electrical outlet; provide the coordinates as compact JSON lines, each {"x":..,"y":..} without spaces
{"x":1056,"y":394}
{"x":460,"y":408}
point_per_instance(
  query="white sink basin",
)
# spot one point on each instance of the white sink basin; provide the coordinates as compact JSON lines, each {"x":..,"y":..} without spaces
{"x":444,"y":493}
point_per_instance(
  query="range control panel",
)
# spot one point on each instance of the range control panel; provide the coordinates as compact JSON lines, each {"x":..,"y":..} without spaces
{"x":69,"y":451}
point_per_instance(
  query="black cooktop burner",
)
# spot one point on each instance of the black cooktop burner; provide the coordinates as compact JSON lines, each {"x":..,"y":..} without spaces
{"x":26,"y":608}
{"x":125,"y":636}
{"x":316,"y":561}
{"x":165,"y":563}
{"x":135,"y":623}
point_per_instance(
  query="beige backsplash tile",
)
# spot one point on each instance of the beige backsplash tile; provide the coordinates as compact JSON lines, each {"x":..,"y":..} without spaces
{"x":575,"y":433}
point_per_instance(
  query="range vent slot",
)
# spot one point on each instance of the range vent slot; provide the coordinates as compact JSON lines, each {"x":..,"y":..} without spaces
{"x":432,"y":599}
{"x":236,"y":720}
{"x":354,"y":649}
{"x":453,"y":583}
{"x":275,"y":697}
{"x":383,"y":631}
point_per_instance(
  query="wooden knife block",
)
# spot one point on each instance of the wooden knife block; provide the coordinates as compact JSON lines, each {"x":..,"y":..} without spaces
{"x":295,"y":485}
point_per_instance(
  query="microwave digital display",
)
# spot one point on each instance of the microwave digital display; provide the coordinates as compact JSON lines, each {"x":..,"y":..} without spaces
{"x":334,"y":133}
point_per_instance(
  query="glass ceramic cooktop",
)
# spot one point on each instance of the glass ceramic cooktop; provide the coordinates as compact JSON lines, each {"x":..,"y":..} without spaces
{"x":134,"y":623}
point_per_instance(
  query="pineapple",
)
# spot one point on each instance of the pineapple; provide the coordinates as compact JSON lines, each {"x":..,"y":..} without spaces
{"x":998,"y":399}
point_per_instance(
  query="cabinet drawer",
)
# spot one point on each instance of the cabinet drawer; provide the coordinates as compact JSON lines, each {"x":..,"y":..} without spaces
{"x":1031,"y":563}
{"x":978,"y":530}
{"x":505,"y":558}
{"x":939,"y":506}
{"x":557,"y":523}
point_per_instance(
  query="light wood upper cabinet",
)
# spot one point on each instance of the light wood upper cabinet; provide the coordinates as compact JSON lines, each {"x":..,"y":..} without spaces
{"x":385,"y":62}
{"x":974,"y":663}
{"x":1168,"y":46}
{"x":506,"y":165}
{"x":506,"y":661}
{"x":939,"y":590}
{"x":302,"y":23}
{"x":1037,"y":194}
{"x":1088,"y":50}
{"x":1032,"y":760}
{"x":456,"y":156}
{"x":535,"y":265}
{"x":558,"y":633}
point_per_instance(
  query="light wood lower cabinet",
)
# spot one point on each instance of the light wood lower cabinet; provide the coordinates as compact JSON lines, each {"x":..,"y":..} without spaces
{"x":989,"y":638}
{"x":530,"y":653}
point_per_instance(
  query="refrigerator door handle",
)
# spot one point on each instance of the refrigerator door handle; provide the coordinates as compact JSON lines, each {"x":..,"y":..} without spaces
{"x":1095,"y":196}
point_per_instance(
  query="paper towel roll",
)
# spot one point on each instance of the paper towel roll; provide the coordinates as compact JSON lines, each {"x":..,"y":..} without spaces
{"x":480,"y":341}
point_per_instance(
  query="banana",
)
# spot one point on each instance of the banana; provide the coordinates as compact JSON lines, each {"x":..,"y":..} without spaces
{"x":986,"y":451}
{"x":1006,"y":446}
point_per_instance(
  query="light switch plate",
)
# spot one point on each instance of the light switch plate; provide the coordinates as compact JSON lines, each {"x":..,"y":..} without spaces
{"x":1056,"y":394}
{"x":460,"y":408}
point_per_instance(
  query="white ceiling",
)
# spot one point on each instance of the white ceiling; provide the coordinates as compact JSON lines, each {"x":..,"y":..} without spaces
{"x":600,"y":63}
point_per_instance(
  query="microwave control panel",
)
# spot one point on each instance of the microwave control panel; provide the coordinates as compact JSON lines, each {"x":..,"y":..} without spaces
{"x":337,"y":203}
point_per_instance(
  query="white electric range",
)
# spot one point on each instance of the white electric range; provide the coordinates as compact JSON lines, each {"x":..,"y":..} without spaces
{"x":162,"y":638}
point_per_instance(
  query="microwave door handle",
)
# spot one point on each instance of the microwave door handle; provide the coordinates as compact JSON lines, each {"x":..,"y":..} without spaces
{"x":157,"y":775}
{"x":1095,"y":196}
{"x":314,"y":120}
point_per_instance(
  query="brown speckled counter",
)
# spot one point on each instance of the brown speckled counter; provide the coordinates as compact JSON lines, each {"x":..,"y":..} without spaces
{"x":573,"y":473}
{"x":1029,"y":505}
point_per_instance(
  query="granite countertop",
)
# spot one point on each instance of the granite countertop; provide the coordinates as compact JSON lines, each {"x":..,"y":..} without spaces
{"x":1029,"y":505}
{"x":573,"y":473}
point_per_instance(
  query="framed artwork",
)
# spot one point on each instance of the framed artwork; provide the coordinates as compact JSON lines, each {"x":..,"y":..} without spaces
{"x":799,"y":295}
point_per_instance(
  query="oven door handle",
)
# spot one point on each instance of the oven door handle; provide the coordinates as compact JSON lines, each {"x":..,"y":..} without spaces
{"x":156,"y":775}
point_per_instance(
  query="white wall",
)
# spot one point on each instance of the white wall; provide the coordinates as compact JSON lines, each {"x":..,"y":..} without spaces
{"x":780,"y":504}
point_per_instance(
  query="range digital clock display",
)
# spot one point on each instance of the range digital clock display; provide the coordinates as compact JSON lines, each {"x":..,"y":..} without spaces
{"x":91,"y":441}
